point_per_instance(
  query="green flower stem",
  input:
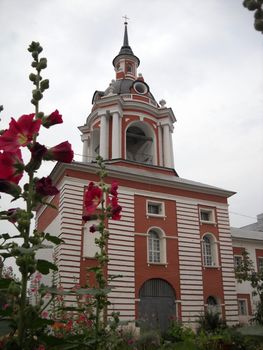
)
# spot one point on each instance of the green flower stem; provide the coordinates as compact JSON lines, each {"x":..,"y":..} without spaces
{"x":25,"y":277}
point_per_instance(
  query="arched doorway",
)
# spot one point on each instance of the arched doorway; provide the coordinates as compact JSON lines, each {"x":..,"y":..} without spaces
{"x":157,"y":304}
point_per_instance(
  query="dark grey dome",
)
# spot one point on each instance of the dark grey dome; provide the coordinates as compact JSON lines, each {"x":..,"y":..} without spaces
{"x":123,"y":86}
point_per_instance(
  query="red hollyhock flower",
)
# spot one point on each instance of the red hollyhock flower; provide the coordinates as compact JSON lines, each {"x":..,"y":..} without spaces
{"x":53,"y":119}
{"x":9,"y":164}
{"x":92,"y":198}
{"x":20,"y":132}
{"x":114,"y":188}
{"x":44,"y":187}
{"x":62,"y":153}
{"x":115,"y":209}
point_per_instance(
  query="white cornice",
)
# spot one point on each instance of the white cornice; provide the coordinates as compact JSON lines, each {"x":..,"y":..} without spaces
{"x":143,"y":176}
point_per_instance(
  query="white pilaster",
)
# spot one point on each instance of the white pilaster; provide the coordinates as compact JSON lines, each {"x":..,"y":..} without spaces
{"x":160,"y":144}
{"x":104,"y":136}
{"x":171,"y":150}
{"x":167,"y":146}
{"x":116,"y":135}
{"x":85,"y":138}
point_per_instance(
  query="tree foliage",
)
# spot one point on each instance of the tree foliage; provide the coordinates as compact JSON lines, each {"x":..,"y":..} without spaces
{"x":245,"y":271}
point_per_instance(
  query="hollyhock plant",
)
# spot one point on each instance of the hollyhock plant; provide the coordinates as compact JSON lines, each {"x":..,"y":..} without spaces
{"x":10,"y":162}
{"x":53,"y":119}
{"x":61,"y":153}
{"x":20,"y":132}
{"x":92,"y":198}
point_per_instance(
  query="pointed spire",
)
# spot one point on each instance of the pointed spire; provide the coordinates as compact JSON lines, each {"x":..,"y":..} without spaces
{"x":126,"y":49}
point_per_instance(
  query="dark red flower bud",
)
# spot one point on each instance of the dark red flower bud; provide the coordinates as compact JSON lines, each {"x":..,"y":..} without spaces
{"x":89,"y":217}
{"x":53,"y":119}
{"x":44,"y":187}
{"x":114,"y":188}
{"x":92,"y":229}
{"x":62,"y":153}
{"x":10,"y":188}
{"x":37,"y":153}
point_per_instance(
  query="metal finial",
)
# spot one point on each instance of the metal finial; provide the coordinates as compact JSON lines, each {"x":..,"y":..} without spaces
{"x":126,"y":19}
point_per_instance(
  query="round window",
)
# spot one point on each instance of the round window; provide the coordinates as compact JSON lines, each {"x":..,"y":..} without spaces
{"x":140,"y":87}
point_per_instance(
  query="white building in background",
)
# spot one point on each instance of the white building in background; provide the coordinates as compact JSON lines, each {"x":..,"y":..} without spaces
{"x":249,"y":238}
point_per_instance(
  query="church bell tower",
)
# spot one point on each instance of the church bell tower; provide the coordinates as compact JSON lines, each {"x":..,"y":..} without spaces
{"x":126,"y":122}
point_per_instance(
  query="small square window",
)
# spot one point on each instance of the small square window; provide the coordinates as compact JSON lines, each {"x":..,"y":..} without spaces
{"x":155,"y":208}
{"x":242,"y":307}
{"x":207,"y":215}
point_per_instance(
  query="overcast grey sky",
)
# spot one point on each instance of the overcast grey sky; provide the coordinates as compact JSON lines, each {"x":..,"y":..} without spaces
{"x":203,"y":57}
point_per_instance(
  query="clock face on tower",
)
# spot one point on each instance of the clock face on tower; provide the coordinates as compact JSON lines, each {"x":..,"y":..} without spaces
{"x":140,"y":87}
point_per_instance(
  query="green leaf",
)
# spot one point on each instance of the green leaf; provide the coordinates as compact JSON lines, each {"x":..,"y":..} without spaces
{"x":5,"y":282}
{"x":5,"y":236}
{"x":4,"y":327}
{"x":53,"y":239}
{"x":41,"y":322}
{"x":44,"y":266}
{"x":6,"y":255}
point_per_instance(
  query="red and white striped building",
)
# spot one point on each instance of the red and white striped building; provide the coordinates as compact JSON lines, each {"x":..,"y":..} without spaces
{"x":172,"y":245}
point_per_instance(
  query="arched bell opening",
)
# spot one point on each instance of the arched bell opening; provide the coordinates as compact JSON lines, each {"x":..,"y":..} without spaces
{"x":140,"y":143}
{"x":95,"y":143}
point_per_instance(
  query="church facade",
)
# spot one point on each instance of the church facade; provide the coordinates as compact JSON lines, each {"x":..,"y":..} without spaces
{"x":173,"y":244}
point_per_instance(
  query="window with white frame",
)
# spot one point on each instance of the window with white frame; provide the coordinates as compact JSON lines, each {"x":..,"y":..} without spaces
{"x":209,"y":250}
{"x":242,"y":307}
{"x":237,"y":261}
{"x":260,"y":264}
{"x":207,"y":215}
{"x":156,"y":247}
{"x":155,"y":208}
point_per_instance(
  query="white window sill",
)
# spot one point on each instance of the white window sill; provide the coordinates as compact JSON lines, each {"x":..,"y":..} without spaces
{"x":211,"y":267}
{"x":208,"y":222}
{"x":157,"y":263}
{"x":161,"y":216}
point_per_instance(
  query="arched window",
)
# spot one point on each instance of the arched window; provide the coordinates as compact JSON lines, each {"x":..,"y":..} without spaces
{"x":156,"y":247}
{"x":209,"y":250}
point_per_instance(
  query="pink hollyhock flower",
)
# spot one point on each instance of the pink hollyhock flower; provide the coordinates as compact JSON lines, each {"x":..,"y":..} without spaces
{"x":114,"y":188}
{"x":20,"y":132}
{"x":92,"y":198}
{"x":44,"y":314}
{"x":62,"y":153}
{"x":9,"y":164}
{"x":53,"y":119}
{"x":44,"y":187}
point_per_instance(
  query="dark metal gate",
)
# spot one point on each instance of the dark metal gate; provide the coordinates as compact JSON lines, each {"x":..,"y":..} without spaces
{"x":157,"y":304}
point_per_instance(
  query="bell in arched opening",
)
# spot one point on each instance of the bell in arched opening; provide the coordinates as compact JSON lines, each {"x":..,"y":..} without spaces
{"x":139,"y":143}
